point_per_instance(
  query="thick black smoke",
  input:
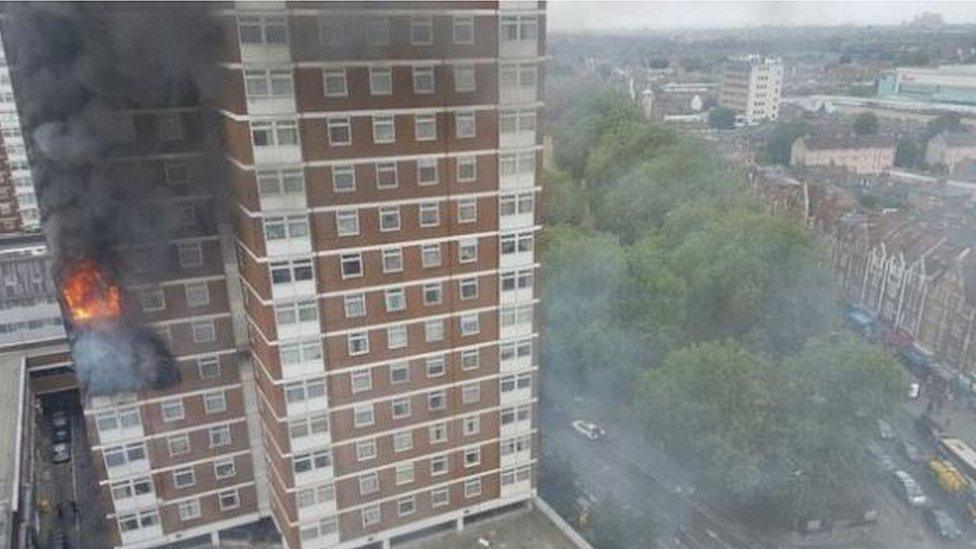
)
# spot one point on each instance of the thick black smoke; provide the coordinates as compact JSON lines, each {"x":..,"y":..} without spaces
{"x":79,"y":70}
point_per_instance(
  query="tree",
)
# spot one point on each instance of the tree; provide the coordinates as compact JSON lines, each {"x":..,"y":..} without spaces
{"x":908,"y":153}
{"x":866,"y":123}
{"x":722,"y":118}
{"x":947,"y":122}
{"x":562,"y":198}
{"x":779,"y":146}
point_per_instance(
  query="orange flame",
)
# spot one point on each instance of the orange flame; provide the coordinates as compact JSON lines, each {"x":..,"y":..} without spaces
{"x":90,"y":296}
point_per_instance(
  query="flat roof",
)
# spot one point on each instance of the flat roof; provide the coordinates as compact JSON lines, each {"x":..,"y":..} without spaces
{"x":527,"y":528}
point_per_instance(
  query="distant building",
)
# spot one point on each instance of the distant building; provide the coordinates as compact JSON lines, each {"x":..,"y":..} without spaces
{"x":950,"y":150}
{"x":954,"y":84}
{"x":865,"y":154}
{"x":751,"y":86}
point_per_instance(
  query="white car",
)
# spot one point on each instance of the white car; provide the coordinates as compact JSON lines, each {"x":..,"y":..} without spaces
{"x":588,"y":430}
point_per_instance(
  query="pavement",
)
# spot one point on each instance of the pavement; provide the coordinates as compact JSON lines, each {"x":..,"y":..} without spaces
{"x":527,"y":528}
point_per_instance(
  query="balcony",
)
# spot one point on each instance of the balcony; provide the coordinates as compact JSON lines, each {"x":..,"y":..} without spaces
{"x":272,"y":155}
{"x":132,"y":504}
{"x":516,"y":221}
{"x":284,"y":201}
{"x":295,"y":245}
{"x":293,"y":291}
{"x":515,"y":458}
{"x":518,"y":94}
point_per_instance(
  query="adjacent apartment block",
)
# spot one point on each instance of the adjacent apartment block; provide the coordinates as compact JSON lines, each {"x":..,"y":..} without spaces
{"x":951,"y":84}
{"x":384,"y":161}
{"x":864,"y":154}
{"x":18,"y":203}
{"x":751,"y":86}
{"x":950,"y":149}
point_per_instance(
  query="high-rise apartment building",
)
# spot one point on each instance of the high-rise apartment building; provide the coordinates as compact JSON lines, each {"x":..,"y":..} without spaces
{"x":384,"y":160}
{"x":354,"y":323}
{"x":751,"y":86}
{"x":18,"y":202}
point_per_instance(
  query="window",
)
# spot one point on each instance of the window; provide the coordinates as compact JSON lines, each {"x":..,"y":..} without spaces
{"x":340,"y":131}
{"x":152,"y":299}
{"x":472,"y":488}
{"x":197,"y":294}
{"x":427,"y":171}
{"x":386,"y":175}
{"x":430,"y":255}
{"x":322,"y":493}
{"x":467,"y":210}
{"x":220,"y":436}
{"x":469,"y":359}
{"x":229,"y":500}
{"x":343,"y":178}
{"x":518,"y":28}
{"x":425,"y":127}
{"x":279,"y":228}
{"x":172,"y":410}
{"x":471,"y":425}
{"x":470,"y":393}
{"x":296,"y":313}
{"x":347,"y":222}
{"x":401,"y":408}
{"x":355,"y":305}
{"x":352,"y":265}
{"x":464,"y":124}
{"x":369,"y":484}
{"x":437,"y":433}
{"x":380,"y":81}
{"x":304,"y":463}
{"x":363,"y":415}
{"x":399,"y":373}
{"x":396,"y":337}
{"x":263,"y":30}
{"x":436,"y":401}
{"x":383,"y":130}
{"x":285,"y":272}
{"x":423,"y":80}
{"x":463,"y":29}
{"x":469,"y":324}
{"x":468,"y":288}
{"x":120,"y":455}
{"x":268,"y":83}
{"x":396,"y":300}
{"x":440,"y":497}
{"x":434,"y":330}
{"x":403,"y":441}
{"x":175,"y":173}
{"x":472,"y":457}
{"x":371,"y":516}
{"x":421,"y":30}
{"x":435,"y":366}
{"x":365,"y":450}
{"x":117,"y":420}
{"x":464,"y":78}
{"x":406,"y":506}
{"x":438,"y":465}
{"x":214,"y":403}
{"x":389,"y":218}
{"x":429,"y":214}
{"x":178,"y":445}
{"x":304,"y":427}
{"x":377,"y":31}
{"x":432,"y":293}
{"x":358,"y":343}
{"x":468,"y":250}
{"x":135,"y":521}
{"x":183,"y":478}
{"x":300,"y":352}
{"x":392,"y":260}
{"x":169,"y":127}
{"x":270,"y":133}
{"x":466,"y":168}
{"x":299,"y":391}
{"x":189,"y":510}
{"x":191,"y":255}
{"x":224,"y":468}
{"x":362,"y":380}
{"x":334,"y":81}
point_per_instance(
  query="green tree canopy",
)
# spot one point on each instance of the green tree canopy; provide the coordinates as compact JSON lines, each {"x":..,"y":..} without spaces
{"x":722,"y":118}
{"x":866,"y":123}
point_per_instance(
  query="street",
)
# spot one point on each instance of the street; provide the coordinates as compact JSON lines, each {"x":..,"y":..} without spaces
{"x":623,"y":468}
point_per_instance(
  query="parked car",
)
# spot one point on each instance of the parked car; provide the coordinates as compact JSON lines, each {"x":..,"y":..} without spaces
{"x":61,"y":453}
{"x":909,"y":490}
{"x":942,"y":524}
{"x":588,"y":430}
{"x":885,"y":432}
{"x":911,"y":452}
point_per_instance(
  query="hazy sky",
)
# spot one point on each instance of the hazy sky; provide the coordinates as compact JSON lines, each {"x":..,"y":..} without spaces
{"x":595,"y":15}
